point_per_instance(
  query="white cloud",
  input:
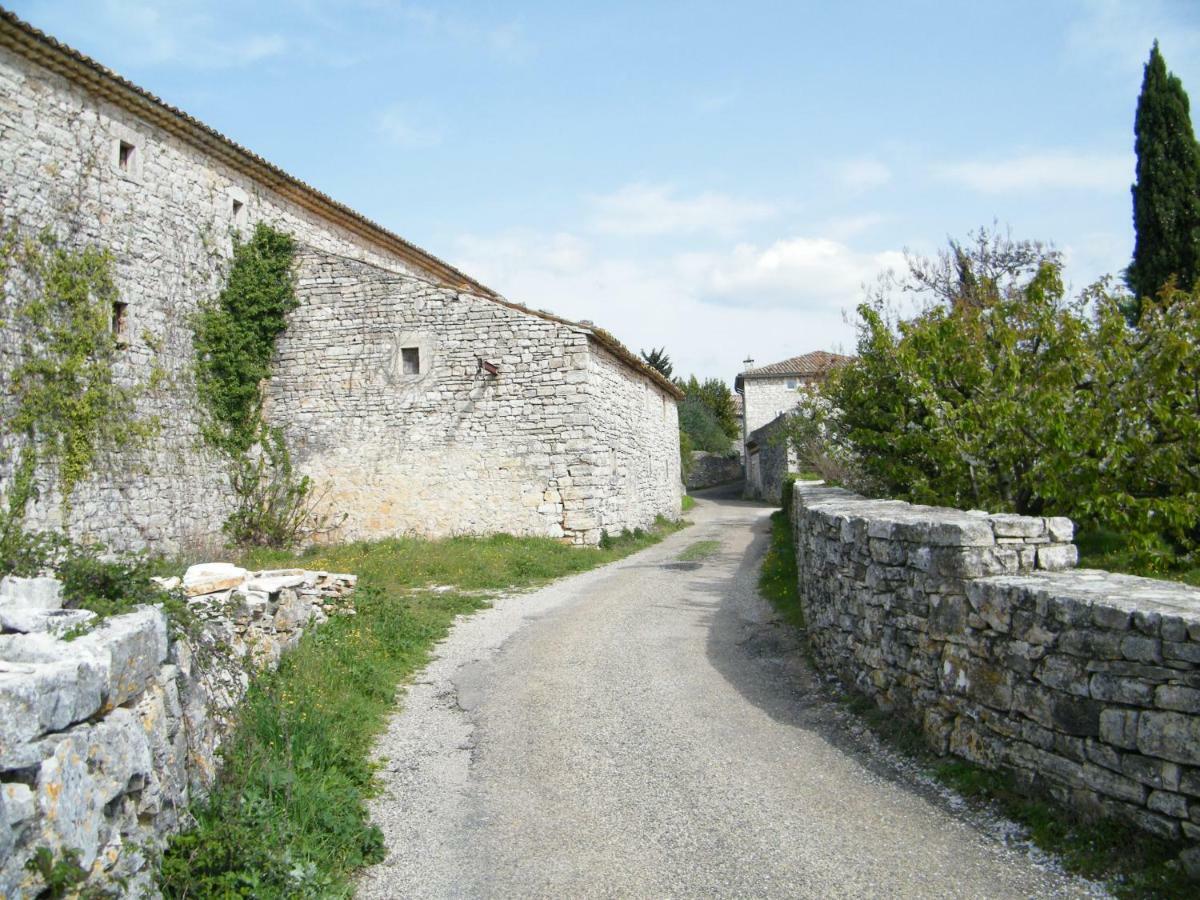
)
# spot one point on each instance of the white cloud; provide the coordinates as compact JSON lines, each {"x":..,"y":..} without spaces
{"x":709,"y":310}
{"x":401,"y":127}
{"x":1059,"y":170}
{"x":863,"y":174}
{"x":639,"y":210}
{"x":800,"y":272}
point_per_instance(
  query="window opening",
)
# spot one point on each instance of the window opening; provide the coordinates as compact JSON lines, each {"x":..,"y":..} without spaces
{"x":125,"y":151}
{"x":120,"y":321}
{"x":410,"y":360}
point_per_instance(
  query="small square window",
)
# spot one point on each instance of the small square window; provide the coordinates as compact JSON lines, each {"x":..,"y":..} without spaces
{"x":791,"y":384}
{"x":410,"y":360}
{"x":120,"y":321}
{"x":125,"y":156}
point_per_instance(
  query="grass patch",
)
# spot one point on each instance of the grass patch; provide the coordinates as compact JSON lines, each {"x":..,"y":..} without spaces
{"x":777,"y":578}
{"x":287,"y":817}
{"x":699,"y":550}
{"x":1102,"y":548}
{"x":689,"y":502}
{"x":1132,"y":863}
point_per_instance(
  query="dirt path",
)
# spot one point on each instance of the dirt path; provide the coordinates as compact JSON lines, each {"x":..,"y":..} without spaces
{"x":649,"y":730}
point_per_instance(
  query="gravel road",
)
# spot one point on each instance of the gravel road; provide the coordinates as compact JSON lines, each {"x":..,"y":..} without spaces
{"x":649,"y":730}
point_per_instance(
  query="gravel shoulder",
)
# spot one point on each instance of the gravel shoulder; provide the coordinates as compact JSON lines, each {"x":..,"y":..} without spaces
{"x":648,"y":729}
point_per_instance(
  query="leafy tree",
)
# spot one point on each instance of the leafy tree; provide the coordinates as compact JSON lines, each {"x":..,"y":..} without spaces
{"x":1005,"y":394}
{"x":658,"y":359}
{"x":702,"y":427}
{"x":714,"y":394}
{"x":1166,"y":195}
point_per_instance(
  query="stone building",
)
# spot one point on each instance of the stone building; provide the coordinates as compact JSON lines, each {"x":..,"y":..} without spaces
{"x":768,"y":394}
{"x":419,"y":400}
{"x":771,"y":390}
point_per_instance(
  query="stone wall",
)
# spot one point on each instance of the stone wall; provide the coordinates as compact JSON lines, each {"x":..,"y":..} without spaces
{"x":106,"y":738}
{"x":564,"y":441}
{"x":449,"y":451}
{"x":710,"y":469}
{"x":770,"y":459}
{"x":624,"y":465}
{"x":1085,"y":685}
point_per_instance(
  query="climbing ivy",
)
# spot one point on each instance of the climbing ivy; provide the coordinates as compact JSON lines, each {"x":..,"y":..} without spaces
{"x":235,"y":342}
{"x":63,"y":404}
{"x":235,"y":338}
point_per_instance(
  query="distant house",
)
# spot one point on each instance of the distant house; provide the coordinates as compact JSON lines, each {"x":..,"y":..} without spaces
{"x":768,"y":393}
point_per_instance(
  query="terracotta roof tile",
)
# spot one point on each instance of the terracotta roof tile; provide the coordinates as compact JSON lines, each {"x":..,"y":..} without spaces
{"x":816,"y":363}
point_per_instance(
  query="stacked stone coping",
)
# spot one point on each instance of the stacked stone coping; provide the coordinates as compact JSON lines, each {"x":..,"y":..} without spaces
{"x":106,"y":738}
{"x":1083,"y":684}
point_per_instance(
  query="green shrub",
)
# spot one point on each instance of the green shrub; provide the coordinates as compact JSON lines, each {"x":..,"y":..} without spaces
{"x":1004,"y":394}
{"x":789,"y":483}
{"x":104,"y":583}
{"x":702,"y":427}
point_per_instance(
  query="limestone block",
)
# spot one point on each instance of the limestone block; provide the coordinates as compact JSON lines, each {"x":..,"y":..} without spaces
{"x":17,"y":803}
{"x":293,"y":612}
{"x":36,"y":698}
{"x":1170,"y":735}
{"x":1011,"y":525}
{"x":273,"y":584}
{"x":30,"y":593}
{"x":965,"y":533}
{"x":49,"y":621}
{"x":208,"y":578}
{"x":131,"y":647}
{"x":1055,"y":557}
{"x":6,"y":837}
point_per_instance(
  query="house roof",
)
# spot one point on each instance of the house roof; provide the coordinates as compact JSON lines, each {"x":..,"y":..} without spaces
{"x":818,"y":362}
{"x":27,"y":41}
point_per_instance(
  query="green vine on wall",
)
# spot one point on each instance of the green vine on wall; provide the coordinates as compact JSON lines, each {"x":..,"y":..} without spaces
{"x":235,"y":339}
{"x":63,"y":405}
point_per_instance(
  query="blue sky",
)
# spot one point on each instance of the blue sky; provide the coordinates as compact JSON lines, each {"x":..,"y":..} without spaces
{"x":718,"y":178}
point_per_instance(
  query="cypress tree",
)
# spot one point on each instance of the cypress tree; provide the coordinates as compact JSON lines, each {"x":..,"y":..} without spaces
{"x":1166,"y":196}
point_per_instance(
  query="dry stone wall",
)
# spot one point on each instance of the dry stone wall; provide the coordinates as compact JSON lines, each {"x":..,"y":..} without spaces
{"x":106,"y":738}
{"x":770,"y":459}
{"x":562,"y":442}
{"x":625,"y":463}
{"x":1083,"y":684}
{"x":710,"y":469}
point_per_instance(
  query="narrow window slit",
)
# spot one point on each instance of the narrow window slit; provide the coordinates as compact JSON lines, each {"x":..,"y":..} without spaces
{"x":120,"y":321}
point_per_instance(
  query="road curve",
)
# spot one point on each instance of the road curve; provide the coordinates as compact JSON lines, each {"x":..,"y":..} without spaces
{"x":649,"y":730}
